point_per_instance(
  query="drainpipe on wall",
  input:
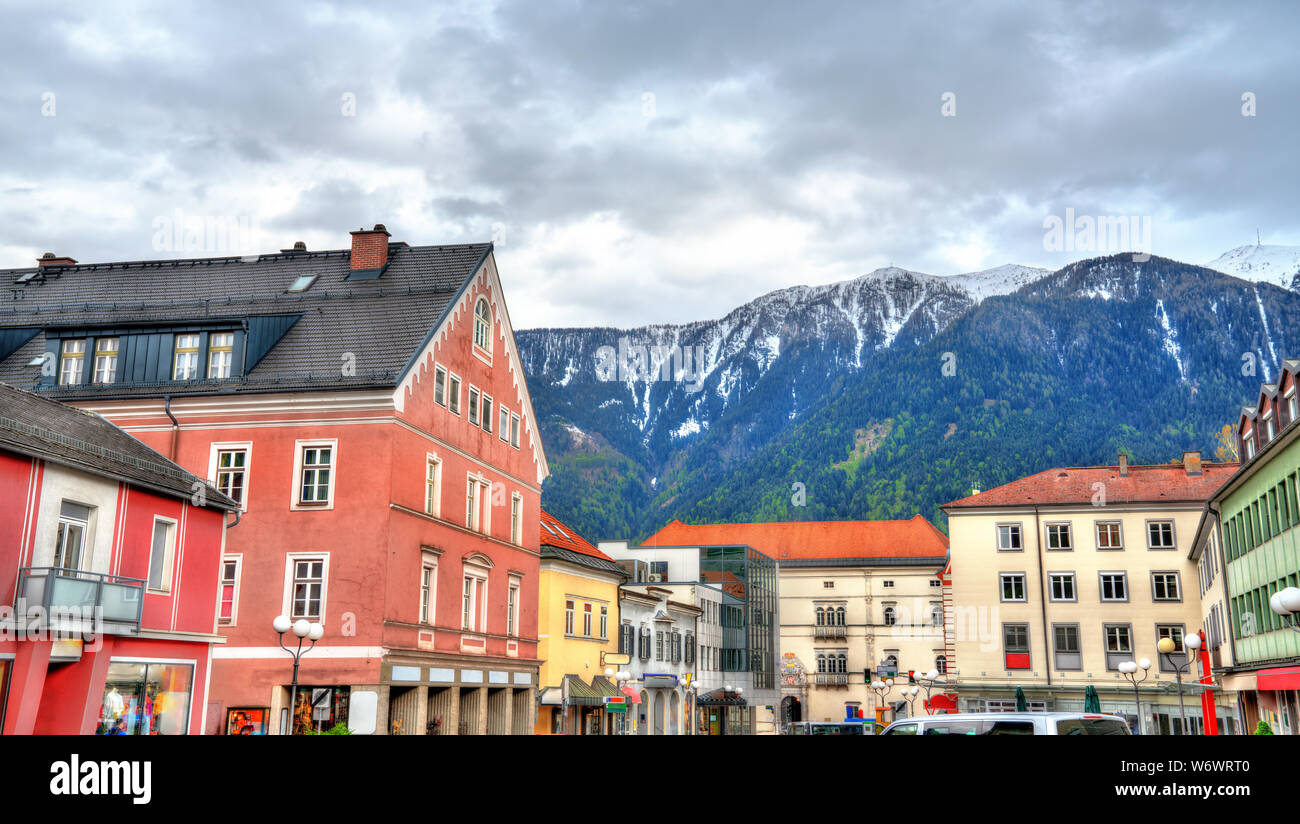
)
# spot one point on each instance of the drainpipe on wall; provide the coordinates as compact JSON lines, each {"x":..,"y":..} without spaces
{"x":1042,"y":598}
{"x":176,"y":425}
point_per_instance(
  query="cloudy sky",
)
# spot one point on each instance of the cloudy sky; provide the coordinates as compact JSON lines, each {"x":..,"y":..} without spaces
{"x":651,"y":162}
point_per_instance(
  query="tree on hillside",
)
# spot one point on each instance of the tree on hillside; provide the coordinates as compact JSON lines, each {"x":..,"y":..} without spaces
{"x":1225,"y":445}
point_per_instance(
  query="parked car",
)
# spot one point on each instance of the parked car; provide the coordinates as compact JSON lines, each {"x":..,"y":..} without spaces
{"x":1011,"y":723}
{"x":831,"y":728}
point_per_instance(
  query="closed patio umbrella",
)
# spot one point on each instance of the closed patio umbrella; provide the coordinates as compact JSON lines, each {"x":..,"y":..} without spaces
{"x":1021,"y":704}
{"x":1091,"y":701}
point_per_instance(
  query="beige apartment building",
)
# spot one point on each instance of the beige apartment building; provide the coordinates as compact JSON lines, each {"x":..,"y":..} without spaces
{"x":1060,"y":577}
{"x":859,"y":601}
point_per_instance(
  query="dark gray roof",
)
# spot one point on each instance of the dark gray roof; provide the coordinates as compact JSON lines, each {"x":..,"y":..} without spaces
{"x":591,"y":562}
{"x":42,"y":428}
{"x":382,"y":322}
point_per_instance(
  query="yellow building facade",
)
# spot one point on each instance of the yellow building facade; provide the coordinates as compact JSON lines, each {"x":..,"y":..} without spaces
{"x":577,"y":624}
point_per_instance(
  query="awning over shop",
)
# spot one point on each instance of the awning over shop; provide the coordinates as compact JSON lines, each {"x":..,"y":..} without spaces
{"x":721,"y":698}
{"x":659,"y":682}
{"x":633,"y":697}
{"x":1279,"y":678}
{"x":582,"y":694}
{"x":551,"y":697}
{"x":604,"y":687}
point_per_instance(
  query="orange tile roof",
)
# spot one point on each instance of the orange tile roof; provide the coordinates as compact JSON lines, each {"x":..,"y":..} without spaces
{"x":1145,"y":483}
{"x":914,"y":538}
{"x":565,"y":538}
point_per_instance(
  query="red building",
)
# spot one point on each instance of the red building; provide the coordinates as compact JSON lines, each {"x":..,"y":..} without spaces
{"x":367,"y":409}
{"x":109,"y":554}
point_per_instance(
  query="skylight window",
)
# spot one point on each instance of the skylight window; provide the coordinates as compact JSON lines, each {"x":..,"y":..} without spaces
{"x":26,"y":277}
{"x":563,"y":534}
{"x":36,"y":361}
{"x":549,"y":529}
{"x":303,"y":283}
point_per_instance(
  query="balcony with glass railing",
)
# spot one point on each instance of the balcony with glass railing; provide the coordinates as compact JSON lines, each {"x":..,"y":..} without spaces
{"x":73,"y":596}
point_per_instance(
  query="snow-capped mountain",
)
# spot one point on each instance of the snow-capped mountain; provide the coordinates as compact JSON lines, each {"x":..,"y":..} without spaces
{"x":665,"y":383}
{"x":1278,"y":265}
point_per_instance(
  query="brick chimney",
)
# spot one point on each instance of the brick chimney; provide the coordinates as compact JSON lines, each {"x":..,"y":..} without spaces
{"x":51,"y":259}
{"x":1192,"y":462}
{"x":1123,"y":465}
{"x":370,"y":248}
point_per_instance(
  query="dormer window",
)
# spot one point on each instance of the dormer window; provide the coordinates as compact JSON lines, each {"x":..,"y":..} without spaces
{"x":71,"y":362}
{"x":221,"y":353}
{"x":186,"y":359}
{"x":483,"y":326}
{"x":106,"y":359}
{"x":1269,"y":430}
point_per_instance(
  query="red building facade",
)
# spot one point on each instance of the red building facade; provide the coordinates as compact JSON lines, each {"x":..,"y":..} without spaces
{"x":110,"y":558}
{"x":377,"y":432}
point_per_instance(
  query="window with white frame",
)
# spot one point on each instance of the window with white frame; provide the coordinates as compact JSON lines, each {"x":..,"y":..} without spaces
{"x":185,"y":358}
{"x":516,"y":519}
{"x":1009,"y":538}
{"x":106,"y":360}
{"x":568,"y":617}
{"x":433,"y":486}
{"x":586,"y":620}
{"x":512,"y":609}
{"x":1160,"y":534}
{"x":473,"y":405}
{"x":504,"y":428}
{"x":221,"y":354}
{"x":428,"y":587}
{"x":308,"y":593}
{"x":1114,"y":586}
{"x":1059,"y":537}
{"x":514,"y":430}
{"x":70,"y":539}
{"x":1110,"y":535}
{"x":483,"y":326}
{"x":72,"y":360}
{"x":487,"y":414}
{"x":1013,"y":586}
{"x":315,"y":473}
{"x":453,"y":394}
{"x":228,"y":611}
{"x":1062,"y":586}
{"x":1164,"y":587}
{"x":604,"y":622}
{"x":439,"y":385}
{"x":230,"y":472}
{"x":477,"y":504}
{"x":162,"y":554}
{"x":474,"y":599}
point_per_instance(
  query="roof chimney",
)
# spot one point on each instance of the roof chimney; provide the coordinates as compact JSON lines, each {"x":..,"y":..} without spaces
{"x":1192,"y":462}
{"x":370,"y":249}
{"x":51,"y":259}
{"x":1123,"y":464}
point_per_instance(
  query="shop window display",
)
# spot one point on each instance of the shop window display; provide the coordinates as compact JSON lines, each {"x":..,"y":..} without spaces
{"x":142,"y":698}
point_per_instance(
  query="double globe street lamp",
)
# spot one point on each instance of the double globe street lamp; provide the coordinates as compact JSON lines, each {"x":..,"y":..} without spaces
{"x":1167,"y":646}
{"x":305,"y":630}
{"x":1286,"y":603}
{"x":1129,"y":670}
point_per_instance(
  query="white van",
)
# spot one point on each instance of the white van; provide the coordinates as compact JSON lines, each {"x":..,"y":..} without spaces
{"x":1011,"y":723}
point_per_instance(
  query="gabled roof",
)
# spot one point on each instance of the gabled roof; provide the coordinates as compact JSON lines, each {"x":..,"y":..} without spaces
{"x":808,"y":540}
{"x":561,"y":542}
{"x":1156,"y":483}
{"x":381,"y":323}
{"x":61,"y":434}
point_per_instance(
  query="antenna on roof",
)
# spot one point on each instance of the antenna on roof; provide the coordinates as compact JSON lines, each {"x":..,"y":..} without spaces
{"x":1257,"y":240}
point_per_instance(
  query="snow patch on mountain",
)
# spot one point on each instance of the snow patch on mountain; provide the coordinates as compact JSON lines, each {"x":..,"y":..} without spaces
{"x":1278,"y":265}
{"x":1171,"y":343}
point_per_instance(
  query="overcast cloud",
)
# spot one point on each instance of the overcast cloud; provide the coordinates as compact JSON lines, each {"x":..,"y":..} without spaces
{"x":649,"y":163}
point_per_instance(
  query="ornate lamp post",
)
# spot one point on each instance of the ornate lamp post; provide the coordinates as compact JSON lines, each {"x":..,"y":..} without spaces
{"x":910,"y":695}
{"x":1167,"y":647}
{"x":930,"y":681}
{"x":1129,"y":670}
{"x":881,"y":689}
{"x":304,"y":629}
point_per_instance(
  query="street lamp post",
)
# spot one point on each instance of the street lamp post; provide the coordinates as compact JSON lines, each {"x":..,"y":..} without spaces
{"x":305,"y":630}
{"x":1167,"y":646}
{"x":1129,"y":670}
{"x":1286,"y":603}
{"x":621,"y":678}
{"x":881,"y":689}
{"x":929,"y":681}
{"x":910,"y":695}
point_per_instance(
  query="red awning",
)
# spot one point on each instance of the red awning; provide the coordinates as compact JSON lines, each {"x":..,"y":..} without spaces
{"x":633,"y":697}
{"x":1282,"y":678}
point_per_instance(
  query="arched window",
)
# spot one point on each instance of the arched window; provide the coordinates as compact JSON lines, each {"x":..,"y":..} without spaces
{"x":843,"y":663}
{"x":891,"y":617}
{"x":821,"y":662}
{"x":483,"y":325}
{"x":821,"y":617}
{"x":839,"y":616}
{"x":941,"y":664}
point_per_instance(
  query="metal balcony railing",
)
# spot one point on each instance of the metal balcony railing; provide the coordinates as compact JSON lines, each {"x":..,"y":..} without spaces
{"x":829,"y":632}
{"x":832,"y":679}
{"x":74,"y":594}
